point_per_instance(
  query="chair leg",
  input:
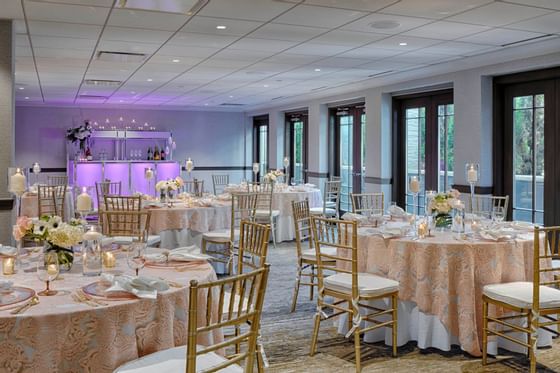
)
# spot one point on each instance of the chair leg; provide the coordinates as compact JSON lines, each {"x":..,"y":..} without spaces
{"x":484,"y":332}
{"x":529,"y":333}
{"x":532,"y":343}
{"x":296,"y":288}
{"x":394,"y":305}
{"x":357,"y":349}
{"x":203,"y":246}
{"x":273,"y":229}
{"x":229,"y":250}
{"x":349,"y":321}
{"x":236,"y":333}
{"x":262,"y":361}
{"x":312,"y":281}
{"x":315,"y":335}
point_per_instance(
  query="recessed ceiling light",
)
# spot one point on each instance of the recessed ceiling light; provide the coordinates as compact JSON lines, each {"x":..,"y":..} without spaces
{"x":265,"y":85}
{"x":317,"y":70}
{"x":176,"y":60}
{"x":403,"y":44}
{"x":132,"y":92}
{"x":121,"y":101}
{"x":205,"y":104}
{"x":149,"y":79}
{"x":21,"y":88}
{"x":27,"y":98}
{"x":221,"y":27}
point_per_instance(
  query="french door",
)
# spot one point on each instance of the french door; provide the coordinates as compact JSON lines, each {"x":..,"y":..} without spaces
{"x":423,"y":146}
{"x":349,"y":148}
{"x":296,"y":136}
{"x":260,"y":144}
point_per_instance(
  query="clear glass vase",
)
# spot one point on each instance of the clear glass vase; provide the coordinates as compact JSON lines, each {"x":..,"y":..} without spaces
{"x":65,"y":256}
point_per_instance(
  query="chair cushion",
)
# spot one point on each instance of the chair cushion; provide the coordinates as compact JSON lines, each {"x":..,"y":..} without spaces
{"x":220,"y":235}
{"x":123,"y":240}
{"x":331,"y":204}
{"x":368,"y":284}
{"x":174,"y":360}
{"x":309,"y":254}
{"x":520,"y":294}
{"x":274,"y":213}
{"x":319,"y":211}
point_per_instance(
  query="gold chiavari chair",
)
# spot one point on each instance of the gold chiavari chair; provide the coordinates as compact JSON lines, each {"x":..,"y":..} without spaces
{"x":535,"y":302}
{"x":367,"y":203}
{"x":306,"y":258}
{"x":484,"y":204}
{"x":264,"y":212}
{"x":122,"y":203}
{"x":51,"y":200}
{"x":335,"y":178}
{"x":57,"y":180}
{"x":130,"y":224}
{"x":349,"y":286}
{"x":331,"y":200}
{"x":195,"y":187}
{"x":104,"y":188}
{"x":243,"y":206}
{"x":219,"y":182}
{"x":194,"y":358}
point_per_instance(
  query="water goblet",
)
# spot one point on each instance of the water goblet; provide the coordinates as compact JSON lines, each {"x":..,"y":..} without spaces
{"x":498,"y":214}
{"x":47,"y":270}
{"x":135,"y":255}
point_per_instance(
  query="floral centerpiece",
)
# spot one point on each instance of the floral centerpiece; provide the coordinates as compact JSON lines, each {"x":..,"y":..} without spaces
{"x":273,"y":175}
{"x":440,"y":207}
{"x":55,"y":234}
{"x":167,"y":188}
{"x":81,"y":135}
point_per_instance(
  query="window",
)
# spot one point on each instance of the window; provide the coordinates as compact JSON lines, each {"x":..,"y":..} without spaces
{"x":526,"y":138}
{"x":260,"y":143}
{"x":423,"y":145}
{"x":349,"y":128}
{"x":296,"y":137}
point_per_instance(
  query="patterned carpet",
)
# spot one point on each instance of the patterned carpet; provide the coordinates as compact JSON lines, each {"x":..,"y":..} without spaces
{"x":286,"y":337}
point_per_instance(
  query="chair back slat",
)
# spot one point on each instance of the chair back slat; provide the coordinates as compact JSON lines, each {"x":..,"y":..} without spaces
{"x":483,"y":204}
{"x":243,"y":311}
{"x":194,"y":187}
{"x":126,"y":223}
{"x":51,"y":200}
{"x":253,"y":245}
{"x":302,"y":225}
{"x":57,"y":180}
{"x":342,"y":235}
{"x":219,"y":182}
{"x":264,"y":191}
{"x":331,"y":195}
{"x":243,"y":208}
{"x":367,"y":203}
{"x":546,"y":243}
{"x":123,"y":203}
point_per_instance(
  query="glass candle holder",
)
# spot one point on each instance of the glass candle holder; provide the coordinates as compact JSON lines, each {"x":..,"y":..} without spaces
{"x":9,"y":266}
{"x":109,"y":260}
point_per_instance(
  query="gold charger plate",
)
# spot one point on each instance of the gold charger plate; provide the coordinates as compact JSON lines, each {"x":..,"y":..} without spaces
{"x":18,"y":294}
{"x":98,"y":288}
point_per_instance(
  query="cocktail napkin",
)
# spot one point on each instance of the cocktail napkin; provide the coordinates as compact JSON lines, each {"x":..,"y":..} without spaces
{"x":142,"y":287}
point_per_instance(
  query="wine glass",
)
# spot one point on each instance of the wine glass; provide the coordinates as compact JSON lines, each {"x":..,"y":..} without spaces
{"x":47,"y":270}
{"x":135,"y":255}
{"x":498,"y":214}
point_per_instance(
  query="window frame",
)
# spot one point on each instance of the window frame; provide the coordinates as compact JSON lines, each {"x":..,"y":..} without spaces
{"x":290,"y":143}
{"x":258,"y":122}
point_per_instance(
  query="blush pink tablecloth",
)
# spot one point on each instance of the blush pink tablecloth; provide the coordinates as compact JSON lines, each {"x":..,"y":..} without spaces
{"x":198,"y":219}
{"x":59,"y":335}
{"x":444,"y":277}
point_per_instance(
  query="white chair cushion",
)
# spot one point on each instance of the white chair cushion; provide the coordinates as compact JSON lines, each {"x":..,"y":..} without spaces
{"x":220,"y":235}
{"x":319,"y":211}
{"x":309,"y":254}
{"x":123,"y":240}
{"x":274,"y":213}
{"x":556,"y":264}
{"x":368,"y":284}
{"x":174,"y":360}
{"x":520,"y":294}
{"x":331,"y":204}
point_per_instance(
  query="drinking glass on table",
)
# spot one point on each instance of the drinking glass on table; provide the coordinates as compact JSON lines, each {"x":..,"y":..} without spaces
{"x":135,"y":256}
{"x":47,"y":270}
{"x":498,"y":214}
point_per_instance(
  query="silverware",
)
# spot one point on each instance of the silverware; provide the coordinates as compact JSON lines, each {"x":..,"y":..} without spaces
{"x":77,"y":299}
{"x":32,"y":302}
{"x":82,"y":295}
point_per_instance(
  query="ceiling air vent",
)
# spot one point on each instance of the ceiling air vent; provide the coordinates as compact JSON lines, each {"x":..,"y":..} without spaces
{"x":230,"y":104}
{"x":92,"y":98}
{"x":122,"y":57}
{"x":103,"y":82}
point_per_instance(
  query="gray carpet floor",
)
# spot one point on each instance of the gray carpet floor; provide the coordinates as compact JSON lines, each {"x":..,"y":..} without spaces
{"x":286,"y":337}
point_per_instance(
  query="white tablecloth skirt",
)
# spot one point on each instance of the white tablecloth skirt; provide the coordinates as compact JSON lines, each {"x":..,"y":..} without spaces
{"x":282,"y":201}
{"x":428,"y":331}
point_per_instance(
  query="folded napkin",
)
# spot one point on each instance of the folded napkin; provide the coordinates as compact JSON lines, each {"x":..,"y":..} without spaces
{"x":142,"y":287}
{"x":224,"y":197}
{"x":498,"y":234}
{"x":354,"y":217}
{"x":8,"y":250}
{"x":396,"y":211}
{"x":309,"y":185}
{"x":181,"y":254}
{"x":522,"y":225}
{"x":385,"y":232}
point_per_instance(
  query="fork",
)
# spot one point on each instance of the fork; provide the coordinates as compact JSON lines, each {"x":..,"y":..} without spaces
{"x":82,"y":294}
{"x":77,"y":299}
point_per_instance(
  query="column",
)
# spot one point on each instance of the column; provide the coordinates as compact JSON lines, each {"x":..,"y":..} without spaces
{"x":317,"y":144}
{"x":7,"y":110}
{"x":275,"y":139}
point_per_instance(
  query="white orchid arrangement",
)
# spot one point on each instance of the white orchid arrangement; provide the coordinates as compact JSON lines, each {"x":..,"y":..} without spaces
{"x":170,"y":185}
{"x":443,"y":203}
{"x":80,"y":134}
{"x":273,"y":175}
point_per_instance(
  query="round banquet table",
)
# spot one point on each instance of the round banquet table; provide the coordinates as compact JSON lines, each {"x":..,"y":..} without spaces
{"x":30,"y":205}
{"x":282,"y":201}
{"x":441,"y":280}
{"x":60,"y":335}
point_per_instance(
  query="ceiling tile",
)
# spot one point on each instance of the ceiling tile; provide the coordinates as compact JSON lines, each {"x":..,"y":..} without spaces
{"x":348,"y":38}
{"x":19,"y":26}
{"x":294,"y":59}
{"x":277,"y":31}
{"x":305,"y":15}
{"x":457,"y":48}
{"x":220,"y":62}
{"x":316,"y":49}
{"x":385,"y":24}
{"x":446,"y":30}
{"x":207,"y":25}
{"x":187,"y":51}
{"x":370,"y":52}
{"x":242,"y":54}
{"x":135,"y":35}
{"x":123,"y":46}
{"x":404,"y":43}
{"x":88,"y":15}
{"x":190,"y":39}
{"x":363,"y":5}
{"x":262,"y":44}
{"x":499,"y":36}
{"x":146,"y":20}
{"x":550,"y":4}
{"x":102,"y":3}
{"x":62,"y":43}
{"x":546,"y":24}
{"x":385,"y":65}
{"x":340,"y":62}
{"x":69,"y":30}
{"x":11,"y":9}
{"x":434,"y":9}
{"x":262,"y":10}
{"x":421,"y":57}
{"x":498,"y":14}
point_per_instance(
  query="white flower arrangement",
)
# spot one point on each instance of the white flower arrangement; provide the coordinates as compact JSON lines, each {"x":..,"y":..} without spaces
{"x":170,"y":185}
{"x":273,"y":175}
{"x":80,"y":134}
{"x":443,"y":203}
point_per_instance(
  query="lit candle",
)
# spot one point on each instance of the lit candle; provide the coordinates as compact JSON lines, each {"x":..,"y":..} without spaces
{"x":286,"y":162}
{"x":52,"y":270}
{"x":83,"y":202}
{"x":422,"y":229}
{"x":17,"y":182}
{"x":414,"y":185}
{"x":472,"y":174}
{"x":189,"y":165}
{"x":475,"y":226}
{"x":149,"y":174}
{"x":8,"y":266}
{"x":36,"y":168}
{"x":256,"y":167}
{"x":109,"y":260}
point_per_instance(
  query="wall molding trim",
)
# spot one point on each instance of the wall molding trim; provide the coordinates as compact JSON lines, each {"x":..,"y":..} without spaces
{"x":317,"y":174}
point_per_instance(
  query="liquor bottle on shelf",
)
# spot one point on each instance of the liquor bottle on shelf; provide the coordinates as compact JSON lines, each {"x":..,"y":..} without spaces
{"x":156,"y":154}
{"x":150,"y":157}
{"x":162,"y":155}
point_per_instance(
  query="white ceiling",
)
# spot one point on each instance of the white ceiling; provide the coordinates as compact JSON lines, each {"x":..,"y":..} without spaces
{"x":270,"y":49}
